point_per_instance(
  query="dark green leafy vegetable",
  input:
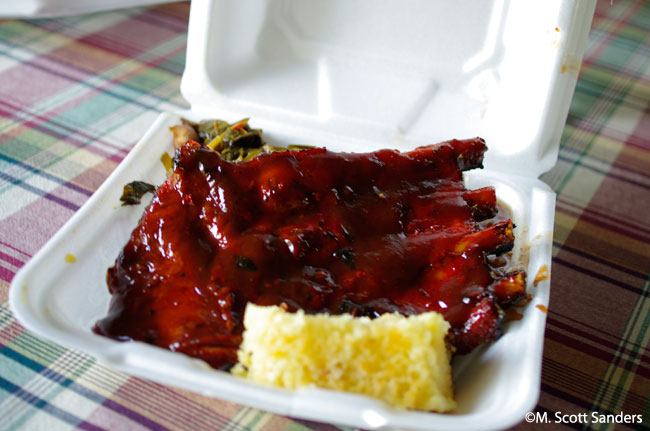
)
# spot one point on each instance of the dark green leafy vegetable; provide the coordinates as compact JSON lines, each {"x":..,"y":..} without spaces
{"x":210,"y":129}
{"x":133,"y":192}
{"x":236,"y":142}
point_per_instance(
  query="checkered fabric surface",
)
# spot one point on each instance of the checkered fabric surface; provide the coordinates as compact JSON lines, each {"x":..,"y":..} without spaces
{"x":76,"y":93}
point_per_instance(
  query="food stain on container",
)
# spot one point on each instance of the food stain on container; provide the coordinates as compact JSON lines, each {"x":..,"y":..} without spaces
{"x":542,"y":307}
{"x":554,"y":35}
{"x":571,"y":65}
{"x":70,"y":258}
{"x":542,"y":274}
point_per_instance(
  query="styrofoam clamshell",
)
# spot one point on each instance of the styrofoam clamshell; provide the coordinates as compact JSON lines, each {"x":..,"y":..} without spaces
{"x":352,"y":76}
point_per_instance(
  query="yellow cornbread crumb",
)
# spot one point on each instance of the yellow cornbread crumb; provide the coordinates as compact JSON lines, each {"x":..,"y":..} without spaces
{"x":403,"y":361}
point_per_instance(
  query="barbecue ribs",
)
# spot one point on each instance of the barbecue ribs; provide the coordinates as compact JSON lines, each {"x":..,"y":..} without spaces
{"x":321,"y":231}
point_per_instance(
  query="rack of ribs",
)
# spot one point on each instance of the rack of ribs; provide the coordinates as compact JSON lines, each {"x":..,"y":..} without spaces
{"x":315,"y":230}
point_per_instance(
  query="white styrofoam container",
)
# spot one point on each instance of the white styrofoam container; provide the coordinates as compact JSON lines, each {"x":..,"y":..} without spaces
{"x":353,"y":76}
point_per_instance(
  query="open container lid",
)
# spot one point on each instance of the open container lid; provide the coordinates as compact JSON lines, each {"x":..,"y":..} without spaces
{"x":394,"y":74}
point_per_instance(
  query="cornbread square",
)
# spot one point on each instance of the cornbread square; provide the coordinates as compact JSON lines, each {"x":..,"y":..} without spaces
{"x":404,"y":361}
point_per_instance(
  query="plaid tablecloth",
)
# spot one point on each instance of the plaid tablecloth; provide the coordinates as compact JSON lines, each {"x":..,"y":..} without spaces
{"x":76,"y":93}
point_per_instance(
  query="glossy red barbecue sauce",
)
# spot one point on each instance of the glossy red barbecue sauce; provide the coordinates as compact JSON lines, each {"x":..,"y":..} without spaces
{"x":316,"y":230}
